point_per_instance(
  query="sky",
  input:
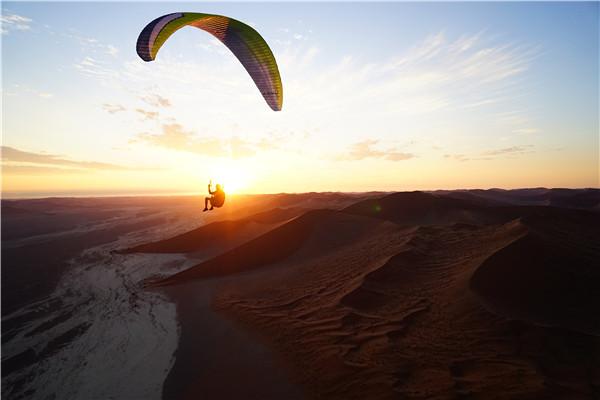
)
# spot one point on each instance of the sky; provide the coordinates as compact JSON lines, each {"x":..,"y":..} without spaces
{"x":377,"y":96}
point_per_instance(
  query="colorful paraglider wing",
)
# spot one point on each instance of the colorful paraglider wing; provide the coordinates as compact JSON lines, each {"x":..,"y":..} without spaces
{"x":245,"y":43}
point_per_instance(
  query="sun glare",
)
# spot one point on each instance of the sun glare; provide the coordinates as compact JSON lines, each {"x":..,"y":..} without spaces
{"x":234,"y":177}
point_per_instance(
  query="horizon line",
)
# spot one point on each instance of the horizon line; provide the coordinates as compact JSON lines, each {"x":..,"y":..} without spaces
{"x":58,"y":195}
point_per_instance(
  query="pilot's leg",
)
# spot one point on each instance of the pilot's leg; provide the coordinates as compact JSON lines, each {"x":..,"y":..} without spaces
{"x":206,"y":200}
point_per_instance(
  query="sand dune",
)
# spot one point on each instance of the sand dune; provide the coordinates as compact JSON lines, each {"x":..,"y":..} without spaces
{"x":460,"y":305}
{"x":345,"y":318}
{"x":550,"y":275}
{"x":420,"y":208}
{"x":246,"y":218}
{"x":313,"y":232}
{"x":392,"y":316}
{"x":588,"y":199}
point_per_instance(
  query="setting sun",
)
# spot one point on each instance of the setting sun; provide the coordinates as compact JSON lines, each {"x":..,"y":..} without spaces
{"x":232,"y":175}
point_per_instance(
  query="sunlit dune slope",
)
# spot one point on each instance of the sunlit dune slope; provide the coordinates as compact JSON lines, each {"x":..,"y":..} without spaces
{"x":247,"y":217}
{"x":246,"y":205}
{"x":222,"y":234}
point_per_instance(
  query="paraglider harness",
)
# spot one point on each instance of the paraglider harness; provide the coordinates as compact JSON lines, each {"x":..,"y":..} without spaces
{"x":217,"y":198}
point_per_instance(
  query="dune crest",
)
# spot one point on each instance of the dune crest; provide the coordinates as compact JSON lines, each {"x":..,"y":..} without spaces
{"x":220,"y":234}
{"x":420,"y":208}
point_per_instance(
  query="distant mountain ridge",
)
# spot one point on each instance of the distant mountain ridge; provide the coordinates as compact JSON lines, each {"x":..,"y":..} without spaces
{"x":588,"y":198}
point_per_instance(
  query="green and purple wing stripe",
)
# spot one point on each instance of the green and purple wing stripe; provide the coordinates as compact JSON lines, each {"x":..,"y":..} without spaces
{"x":243,"y":41}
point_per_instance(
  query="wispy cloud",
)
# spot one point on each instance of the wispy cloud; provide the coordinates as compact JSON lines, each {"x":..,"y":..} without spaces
{"x":39,"y":170}
{"x":156,"y":100}
{"x":526,"y":131}
{"x":10,"y":22}
{"x":299,"y":32}
{"x":12,"y":155}
{"x":492,"y":154}
{"x":365,"y":149}
{"x":92,"y":67}
{"x":17,"y":89}
{"x":516,"y":121}
{"x":457,"y":157}
{"x":437,"y":74}
{"x":454,"y":73}
{"x":92,"y":45}
{"x":112,"y":50}
{"x":509,"y":151}
{"x":175,"y":137}
{"x":147,"y":114}
{"x":113,"y":108}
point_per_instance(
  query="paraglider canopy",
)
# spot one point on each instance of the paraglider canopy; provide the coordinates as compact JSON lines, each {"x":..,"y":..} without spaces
{"x":243,"y":41}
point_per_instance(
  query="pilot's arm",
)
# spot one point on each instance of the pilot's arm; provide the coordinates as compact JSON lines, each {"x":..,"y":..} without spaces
{"x":209,"y":185}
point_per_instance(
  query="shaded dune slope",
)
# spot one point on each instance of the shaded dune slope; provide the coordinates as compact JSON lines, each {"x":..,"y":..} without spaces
{"x":419,"y":208}
{"x":472,"y":196}
{"x":588,"y":199}
{"x":557,"y":197}
{"x":549,"y":276}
